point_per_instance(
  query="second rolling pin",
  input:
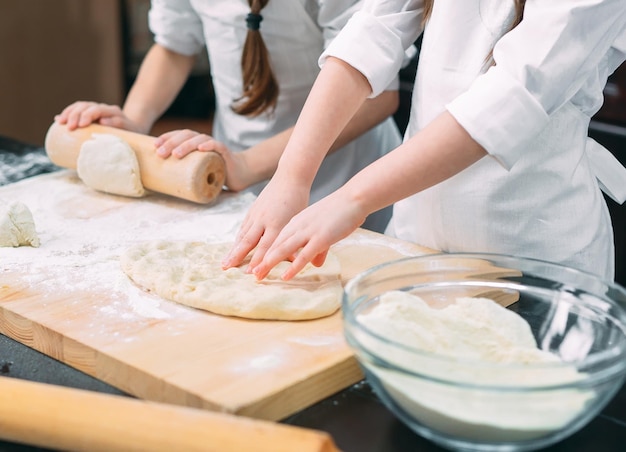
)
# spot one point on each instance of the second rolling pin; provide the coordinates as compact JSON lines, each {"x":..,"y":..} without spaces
{"x":198,"y":177}
{"x":70,"y":419}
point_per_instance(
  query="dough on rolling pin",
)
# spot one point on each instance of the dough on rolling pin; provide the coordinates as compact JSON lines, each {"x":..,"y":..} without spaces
{"x":107,"y":163}
{"x":190,"y":273}
{"x":17,"y":227}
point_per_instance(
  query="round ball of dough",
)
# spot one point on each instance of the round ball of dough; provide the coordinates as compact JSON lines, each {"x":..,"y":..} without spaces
{"x":17,"y":227}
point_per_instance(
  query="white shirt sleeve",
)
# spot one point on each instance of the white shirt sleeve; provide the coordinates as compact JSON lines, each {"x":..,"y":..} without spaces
{"x":377,"y":40}
{"x":539,"y":66}
{"x":333,"y":16}
{"x":176,"y":26}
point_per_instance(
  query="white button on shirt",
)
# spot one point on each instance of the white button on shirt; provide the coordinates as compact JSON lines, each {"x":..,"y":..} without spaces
{"x":537,"y":193}
{"x":295,"y":33}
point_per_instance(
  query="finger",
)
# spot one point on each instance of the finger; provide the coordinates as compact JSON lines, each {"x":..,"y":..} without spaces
{"x":173,"y":140}
{"x":91,"y":114}
{"x":109,"y":111}
{"x":113,"y":121}
{"x":242,"y":247}
{"x":164,"y":137}
{"x":211,"y":144}
{"x":189,"y":146}
{"x":306,"y":250}
{"x":284,"y":247}
{"x":74,"y":115}
{"x":319,"y":260}
{"x":296,"y":266}
{"x":259,"y":258}
{"x":63,"y":117}
{"x":246,"y":224}
{"x":309,"y":252}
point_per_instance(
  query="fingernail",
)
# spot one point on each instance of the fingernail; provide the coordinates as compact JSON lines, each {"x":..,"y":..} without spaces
{"x":161,"y":151}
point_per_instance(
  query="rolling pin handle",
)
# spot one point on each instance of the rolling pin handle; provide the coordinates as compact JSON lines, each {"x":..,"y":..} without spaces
{"x":199,"y":177}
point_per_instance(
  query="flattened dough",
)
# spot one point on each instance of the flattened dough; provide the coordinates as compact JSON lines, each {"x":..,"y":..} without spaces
{"x":190,"y":273}
{"x":17,"y":227}
{"x":107,"y":163}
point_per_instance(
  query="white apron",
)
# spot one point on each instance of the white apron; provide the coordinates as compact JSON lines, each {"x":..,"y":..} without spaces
{"x":295,"y":33}
{"x":538,"y":192}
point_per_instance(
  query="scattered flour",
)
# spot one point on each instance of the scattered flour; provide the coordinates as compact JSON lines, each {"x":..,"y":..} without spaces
{"x":83,"y":233}
{"x":471,"y":330}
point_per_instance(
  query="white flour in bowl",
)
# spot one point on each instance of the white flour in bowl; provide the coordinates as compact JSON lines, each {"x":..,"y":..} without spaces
{"x":477,"y":330}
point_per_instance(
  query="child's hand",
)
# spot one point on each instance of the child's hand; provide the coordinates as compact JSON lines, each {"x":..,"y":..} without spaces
{"x":81,"y":114}
{"x":306,"y":238}
{"x":179,"y":143}
{"x":310,"y":234}
{"x":276,"y":205}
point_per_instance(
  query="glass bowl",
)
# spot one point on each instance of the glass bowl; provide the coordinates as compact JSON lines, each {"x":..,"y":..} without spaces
{"x":492,"y":379}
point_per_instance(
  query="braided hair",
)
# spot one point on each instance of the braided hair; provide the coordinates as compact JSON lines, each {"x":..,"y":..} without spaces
{"x":260,"y":89}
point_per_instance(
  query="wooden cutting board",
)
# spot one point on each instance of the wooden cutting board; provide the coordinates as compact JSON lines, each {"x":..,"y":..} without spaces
{"x":69,"y":299}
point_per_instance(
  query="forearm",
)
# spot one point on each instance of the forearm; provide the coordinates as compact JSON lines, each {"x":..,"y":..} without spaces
{"x":372,"y":112}
{"x":336,"y":96}
{"x":263,"y":158}
{"x":161,"y":76}
{"x":436,"y":153}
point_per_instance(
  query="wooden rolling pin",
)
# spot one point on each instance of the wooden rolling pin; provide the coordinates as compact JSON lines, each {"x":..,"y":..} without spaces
{"x":198,"y":177}
{"x":62,"y":418}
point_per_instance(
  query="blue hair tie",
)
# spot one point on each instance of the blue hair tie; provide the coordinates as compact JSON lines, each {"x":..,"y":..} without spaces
{"x":253,"y":21}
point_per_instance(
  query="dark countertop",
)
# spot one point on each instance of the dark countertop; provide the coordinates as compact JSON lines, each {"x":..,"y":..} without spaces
{"x":355,"y":417}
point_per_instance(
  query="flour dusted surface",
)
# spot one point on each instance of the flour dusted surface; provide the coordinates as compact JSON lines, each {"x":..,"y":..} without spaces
{"x":190,"y":273}
{"x":72,"y":298}
{"x":83,"y":233}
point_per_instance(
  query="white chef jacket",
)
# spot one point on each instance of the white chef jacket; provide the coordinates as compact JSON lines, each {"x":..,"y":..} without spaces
{"x":295,"y":33}
{"x":537,"y":193}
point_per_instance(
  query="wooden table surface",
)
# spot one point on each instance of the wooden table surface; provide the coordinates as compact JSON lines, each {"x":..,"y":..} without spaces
{"x":354,"y":417}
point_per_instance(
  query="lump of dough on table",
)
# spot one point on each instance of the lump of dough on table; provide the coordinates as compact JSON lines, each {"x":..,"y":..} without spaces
{"x":17,"y":227}
{"x":107,"y":163}
{"x":190,"y":273}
